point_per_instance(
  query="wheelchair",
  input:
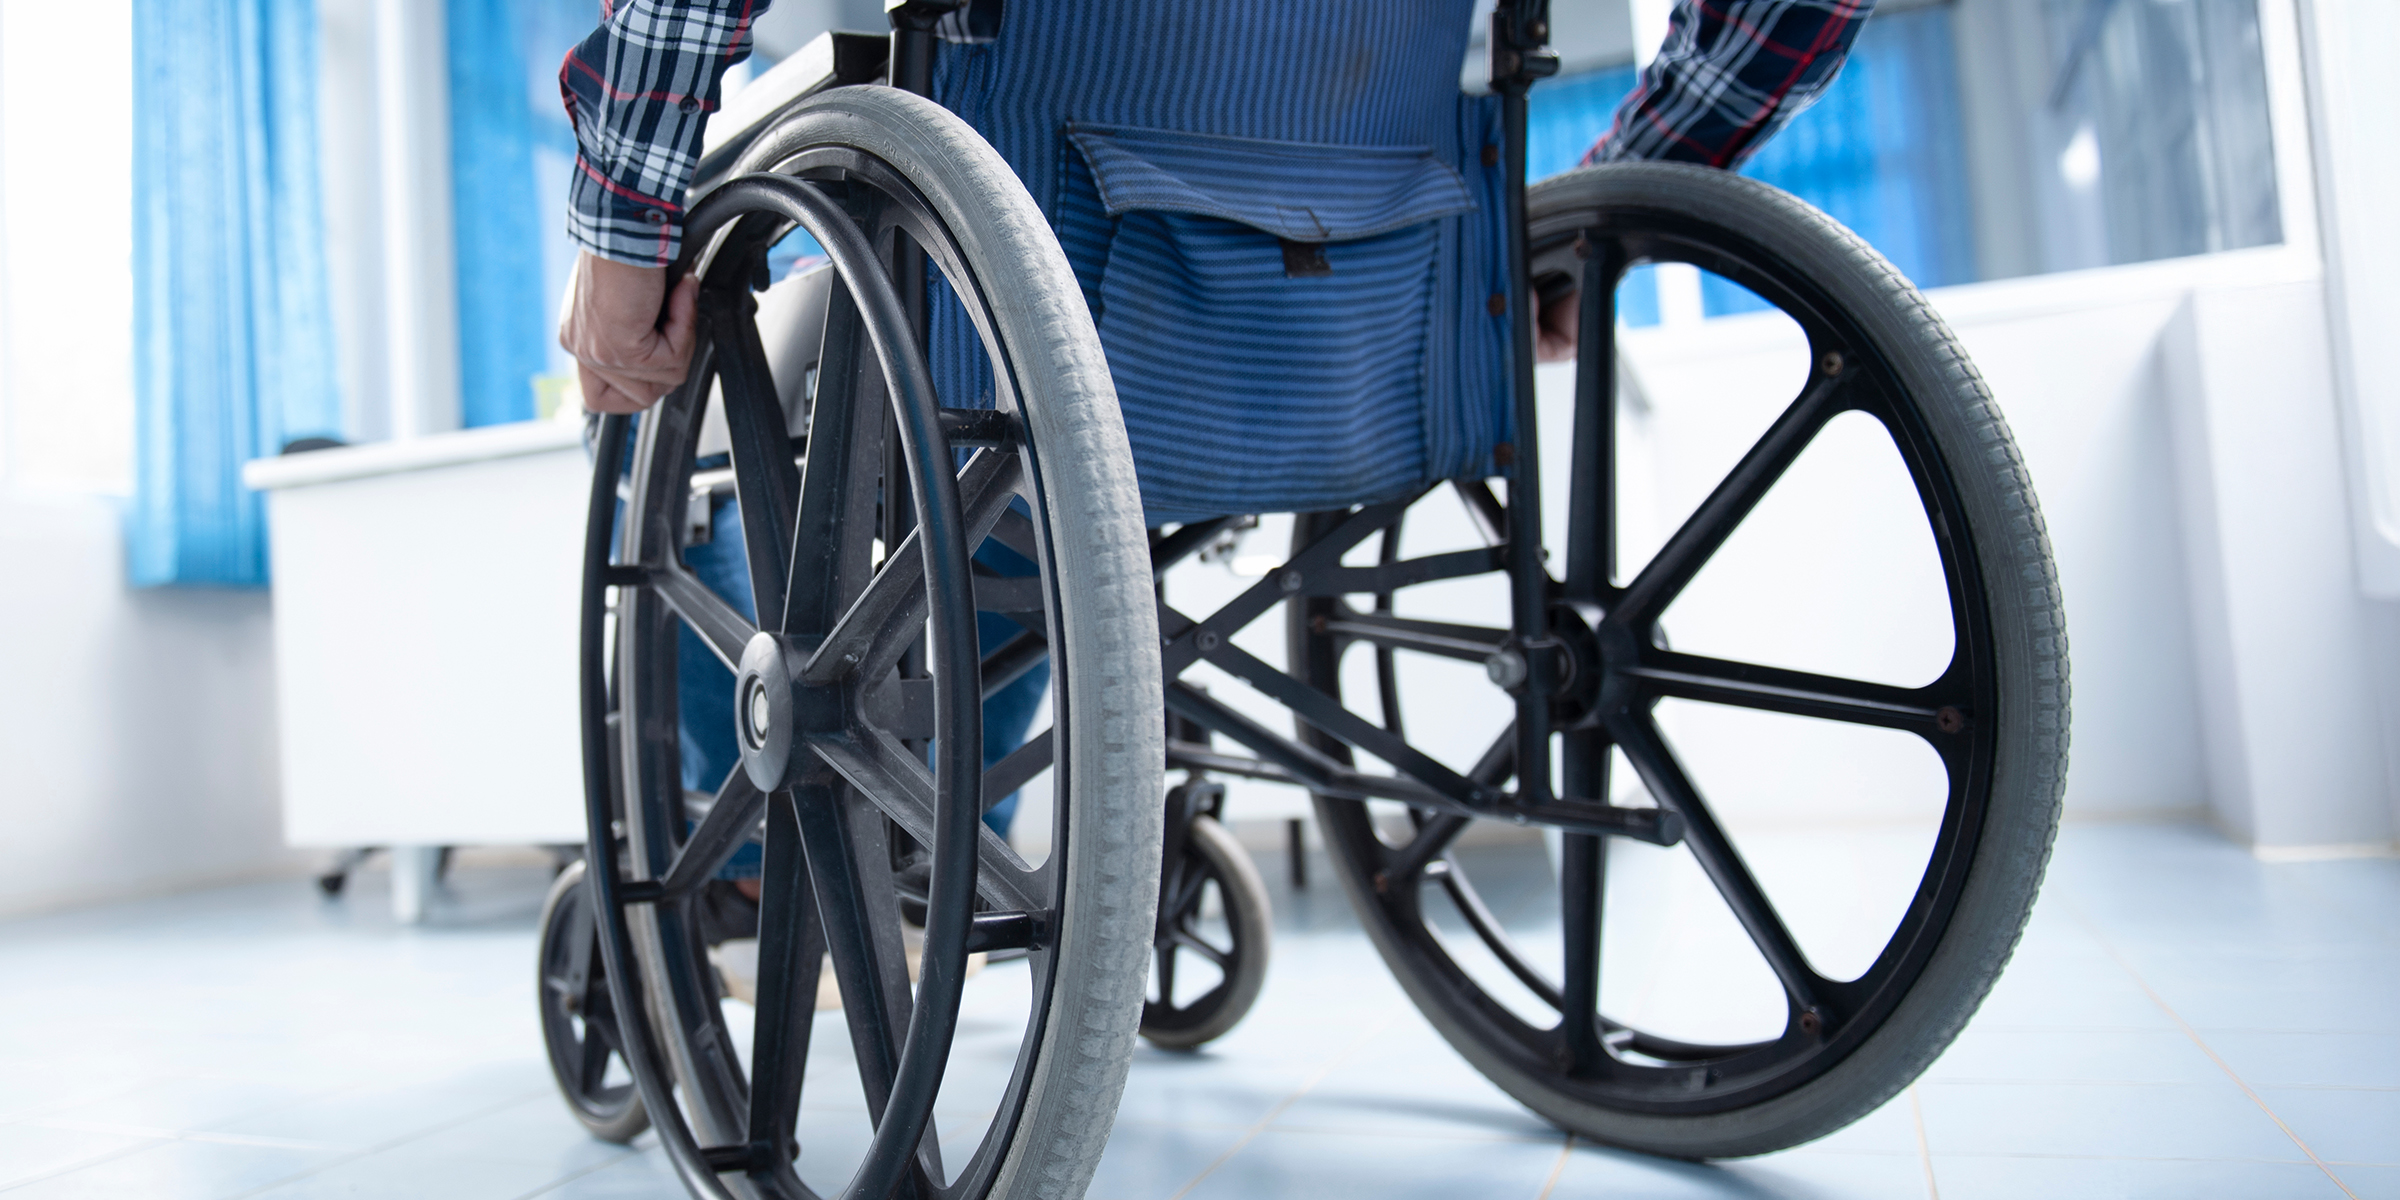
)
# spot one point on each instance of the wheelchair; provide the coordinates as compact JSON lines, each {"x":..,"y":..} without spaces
{"x":947,"y":391}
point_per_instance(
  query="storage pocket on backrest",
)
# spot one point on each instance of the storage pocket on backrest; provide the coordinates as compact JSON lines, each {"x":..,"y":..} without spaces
{"x":1265,"y":308}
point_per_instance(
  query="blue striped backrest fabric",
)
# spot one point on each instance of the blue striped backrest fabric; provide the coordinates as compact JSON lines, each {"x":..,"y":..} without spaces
{"x":1284,"y":220}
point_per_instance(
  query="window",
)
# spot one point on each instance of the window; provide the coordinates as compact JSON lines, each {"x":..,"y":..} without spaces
{"x":66,"y":247}
{"x":511,"y":152}
{"x":2161,"y":111}
{"x":1983,"y":139}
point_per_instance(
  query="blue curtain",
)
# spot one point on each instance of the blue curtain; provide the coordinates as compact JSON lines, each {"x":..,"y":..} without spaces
{"x":1562,"y":119}
{"x":233,"y":346}
{"x":511,"y":148}
{"x":497,"y":224}
{"x":1880,"y":151}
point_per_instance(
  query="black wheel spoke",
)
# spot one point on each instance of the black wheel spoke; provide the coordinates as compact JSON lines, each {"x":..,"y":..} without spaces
{"x":1582,"y":880}
{"x":600,"y":1021}
{"x":849,"y":870}
{"x":1487,"y":927}
{"x":791,"y":949}
{"x":1667,"y":781}
{"x":1592,"y":492}
{"x":1015,"y":531}
{"x":1006,"y":665}
{"x":897,"y":783}
{"x":1666,"y":575}
{"x":890,"y":614}
{"x":1773,"y":689}
{"x":592,"y":1069}
{"x":834,"y":533}
{"x":1185,"y":901}
{"x":766,"y":483}
{"x":1185,"y":938}
{"x":731,"y":817}
{"x":1021,"y":765}
{"x":722,"y":628}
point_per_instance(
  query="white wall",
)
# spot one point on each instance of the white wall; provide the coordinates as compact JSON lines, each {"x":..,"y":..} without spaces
{"x":2182,"y":429}
{"x":136,"y":727}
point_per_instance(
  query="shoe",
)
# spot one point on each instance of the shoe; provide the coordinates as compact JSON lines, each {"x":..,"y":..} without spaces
{"x":724,"y":913}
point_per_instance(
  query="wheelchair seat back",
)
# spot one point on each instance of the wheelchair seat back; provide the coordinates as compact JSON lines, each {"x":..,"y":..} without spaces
{"x":1288,"y":222}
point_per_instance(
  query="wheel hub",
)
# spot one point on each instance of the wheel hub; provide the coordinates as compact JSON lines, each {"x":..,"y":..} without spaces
{"x":763,"y":711}
{"x":1591,"y":675}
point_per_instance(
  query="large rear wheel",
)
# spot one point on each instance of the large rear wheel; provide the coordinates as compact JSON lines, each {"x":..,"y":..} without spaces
{"x":866,"y":508}
{"x":1864,"y":695}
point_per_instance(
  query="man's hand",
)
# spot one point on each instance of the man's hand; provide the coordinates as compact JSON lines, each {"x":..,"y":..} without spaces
{"x":626,"y":359}
{"x":1556,"y":326}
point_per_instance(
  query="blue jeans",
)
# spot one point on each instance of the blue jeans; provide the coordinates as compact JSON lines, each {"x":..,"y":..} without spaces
{"x":704,"y":687}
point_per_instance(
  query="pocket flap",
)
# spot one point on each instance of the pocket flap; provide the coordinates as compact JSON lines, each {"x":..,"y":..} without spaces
{"x":1302,"y":191}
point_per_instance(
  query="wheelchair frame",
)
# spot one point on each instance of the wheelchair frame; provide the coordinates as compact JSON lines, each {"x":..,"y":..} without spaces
{"x":1575,"y":686}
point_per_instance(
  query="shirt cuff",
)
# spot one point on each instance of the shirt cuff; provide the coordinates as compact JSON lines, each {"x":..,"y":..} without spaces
{"x":618,"y":223}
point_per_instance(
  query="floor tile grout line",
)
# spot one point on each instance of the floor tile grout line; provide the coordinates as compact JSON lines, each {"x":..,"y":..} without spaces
{"x":198,"y":1135}
{"x":34,"y":1115}
{"x":2068,"y":1081}
{"x":1566,"y":1150}
{"x":28,"y":1116}
{"x":108,"y":1156}
{"x":1472,"y":1139}
{"x":380,"y":1147}
{"x":2252,"y":1160}
{"x":1251,"y":1133}
{"x":2109,"y":947}
{"x":151,"y":1139}
{"x":1916,"y":1115}
{"x":594,"y":1169}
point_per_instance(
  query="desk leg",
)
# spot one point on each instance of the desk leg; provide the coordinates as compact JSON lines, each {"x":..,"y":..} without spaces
{"x":414,"y":870}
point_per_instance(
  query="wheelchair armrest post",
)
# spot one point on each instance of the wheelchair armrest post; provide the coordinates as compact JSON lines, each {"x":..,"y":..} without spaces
{"x":1520,"y":55}
{"x":912,"y":41}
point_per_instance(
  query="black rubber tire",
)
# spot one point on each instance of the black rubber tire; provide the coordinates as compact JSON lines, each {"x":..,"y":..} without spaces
{"x":619,"y":1117}
{"x":1249,"y":917}
{"x":1107,"y":648}
{"x":2011,"y":546}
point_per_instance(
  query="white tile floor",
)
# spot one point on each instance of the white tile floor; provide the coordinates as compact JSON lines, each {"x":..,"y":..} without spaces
{"x":2182,"y":1021}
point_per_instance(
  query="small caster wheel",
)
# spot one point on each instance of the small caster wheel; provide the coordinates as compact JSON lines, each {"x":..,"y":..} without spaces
{"x":579,"y":1022}
{"x":1212,"y":907}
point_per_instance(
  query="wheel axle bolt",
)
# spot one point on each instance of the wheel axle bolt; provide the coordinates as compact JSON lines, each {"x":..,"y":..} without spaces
{"x":1506,"y":668}
{"x":760,"y":715}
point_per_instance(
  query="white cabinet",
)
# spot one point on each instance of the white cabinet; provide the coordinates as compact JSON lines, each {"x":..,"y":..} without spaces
{"x":425,"y":623}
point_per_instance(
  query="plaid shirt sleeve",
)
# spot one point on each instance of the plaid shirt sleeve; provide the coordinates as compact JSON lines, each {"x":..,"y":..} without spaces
{"x":639,"y":91}
{"x":1732,"y":73}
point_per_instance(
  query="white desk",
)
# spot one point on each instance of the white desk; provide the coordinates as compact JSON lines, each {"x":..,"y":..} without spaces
{"x":425,"y":621}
